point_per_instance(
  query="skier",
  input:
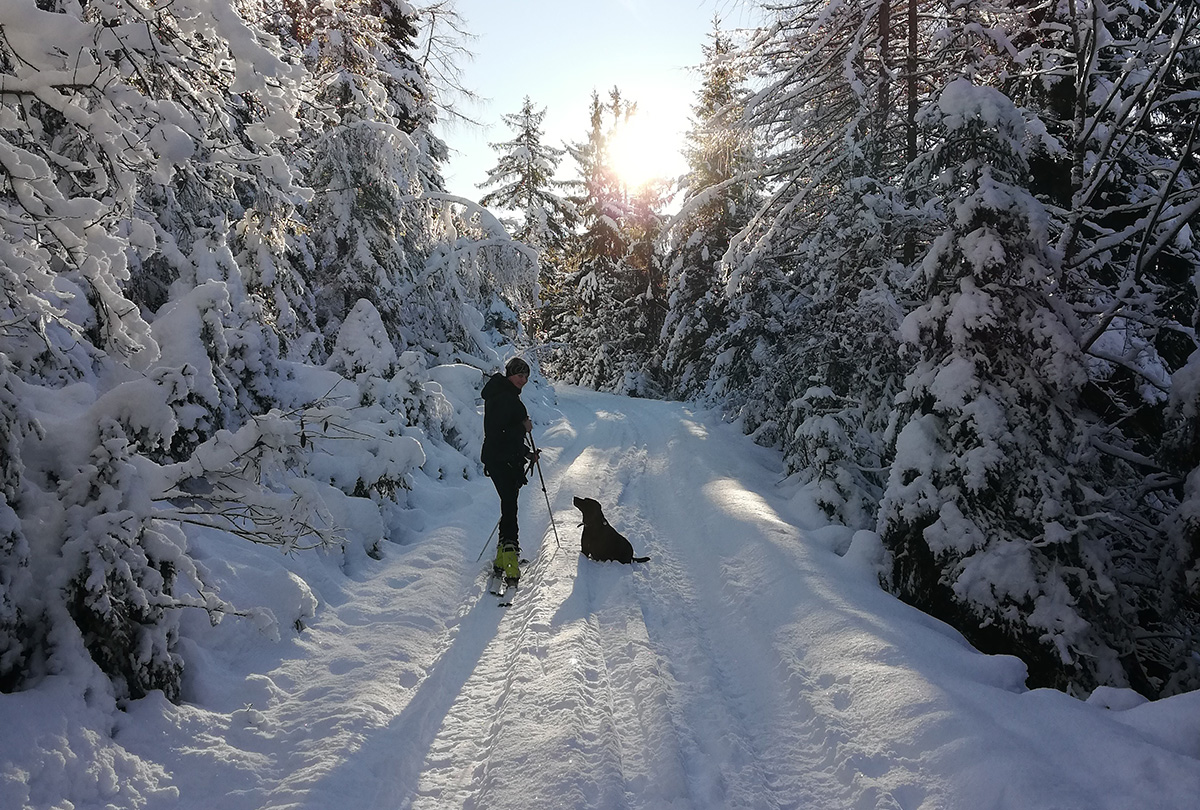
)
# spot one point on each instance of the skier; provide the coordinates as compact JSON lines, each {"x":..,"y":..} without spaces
{"x":506,"y":456}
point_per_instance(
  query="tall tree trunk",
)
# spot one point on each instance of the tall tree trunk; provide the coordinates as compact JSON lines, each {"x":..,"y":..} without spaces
{"x":910,"y":120}
{"x":882,"y":107}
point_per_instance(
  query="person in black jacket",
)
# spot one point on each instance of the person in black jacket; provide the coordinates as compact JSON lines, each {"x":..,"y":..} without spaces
{"x":506,"y":456}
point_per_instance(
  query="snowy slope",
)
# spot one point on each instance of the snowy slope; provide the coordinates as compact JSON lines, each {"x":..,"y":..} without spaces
{"x":752,"y":663}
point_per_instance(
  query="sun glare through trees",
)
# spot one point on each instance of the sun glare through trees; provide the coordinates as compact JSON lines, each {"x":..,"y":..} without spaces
{"x":644,"y":149}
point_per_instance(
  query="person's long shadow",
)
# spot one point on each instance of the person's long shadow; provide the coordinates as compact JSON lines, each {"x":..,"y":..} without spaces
{"x":393,"y":757}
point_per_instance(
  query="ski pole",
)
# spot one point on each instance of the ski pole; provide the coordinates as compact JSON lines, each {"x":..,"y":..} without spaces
{"x":538,"y":463}
{"x":488,"y":543}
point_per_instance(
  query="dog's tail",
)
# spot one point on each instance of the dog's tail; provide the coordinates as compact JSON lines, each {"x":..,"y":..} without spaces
{"x":640,"y":559}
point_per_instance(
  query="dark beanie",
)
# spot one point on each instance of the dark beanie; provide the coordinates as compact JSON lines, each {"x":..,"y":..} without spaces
{"x":516,"y":366}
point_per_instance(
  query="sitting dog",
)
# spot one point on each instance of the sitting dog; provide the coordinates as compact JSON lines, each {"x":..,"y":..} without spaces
{"x":600,"y":541}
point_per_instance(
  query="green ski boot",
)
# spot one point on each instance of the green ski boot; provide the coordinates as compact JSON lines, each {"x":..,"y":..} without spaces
{"x":507,"y":564}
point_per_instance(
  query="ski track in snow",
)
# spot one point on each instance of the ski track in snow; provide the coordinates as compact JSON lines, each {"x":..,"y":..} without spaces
{"x":746,"y":665}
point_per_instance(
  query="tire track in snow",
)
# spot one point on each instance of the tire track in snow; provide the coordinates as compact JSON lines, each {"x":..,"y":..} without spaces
{"x":665,"y":762}
{"x":611,"y":638}
{"x":747,"y":736}
{"x":720,"y":755}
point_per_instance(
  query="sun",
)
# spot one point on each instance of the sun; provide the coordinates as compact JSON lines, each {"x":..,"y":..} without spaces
{"x":644,"y":149}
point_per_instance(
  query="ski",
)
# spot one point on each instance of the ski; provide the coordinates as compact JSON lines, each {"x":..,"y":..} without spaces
{"x":506,"y":597}
{"x":499,"y":585}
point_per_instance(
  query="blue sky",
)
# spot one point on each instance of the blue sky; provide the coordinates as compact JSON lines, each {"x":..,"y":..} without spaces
{"x":558,"y":51}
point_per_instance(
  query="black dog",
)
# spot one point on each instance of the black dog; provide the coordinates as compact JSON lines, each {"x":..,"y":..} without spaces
{"x":601,"y":541}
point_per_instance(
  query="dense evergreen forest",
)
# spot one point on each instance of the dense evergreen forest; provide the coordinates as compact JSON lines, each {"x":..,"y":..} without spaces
{"x":943,"y":255}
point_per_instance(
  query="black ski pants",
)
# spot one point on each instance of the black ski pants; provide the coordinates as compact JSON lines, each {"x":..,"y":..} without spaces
{"x":508,"y":482}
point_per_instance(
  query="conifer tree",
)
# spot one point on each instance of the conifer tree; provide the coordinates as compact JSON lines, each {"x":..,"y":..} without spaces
{"x":584,"y":334}
{"x":525,"y":184}
{"x":121,"y":566}
{"x":16,"y":583}
{"x":615,"y":291}
{"x":846,"y":376}
{"x":409,"y":86}
{"x":1111,"y":85}
{"x":643,"y":311}
{"x":361,"y":169}
{"x":370,"y":168}
{"x":819,"y":255}
{"x":988,"y":511}
{"x":717,"y":205}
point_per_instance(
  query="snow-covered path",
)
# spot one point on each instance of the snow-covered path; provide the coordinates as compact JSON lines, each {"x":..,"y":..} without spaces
{"x":608,"y":686}
{"x":754,"y":662}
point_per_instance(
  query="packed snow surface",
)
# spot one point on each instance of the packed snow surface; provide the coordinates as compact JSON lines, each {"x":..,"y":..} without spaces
{"x":754,"y":662}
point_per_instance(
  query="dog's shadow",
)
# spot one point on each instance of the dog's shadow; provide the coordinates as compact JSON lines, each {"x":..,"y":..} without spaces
{"x":597,"y":581}
{"x":597,"y":586}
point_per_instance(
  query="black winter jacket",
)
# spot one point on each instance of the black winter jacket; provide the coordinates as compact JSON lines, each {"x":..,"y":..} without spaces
{"x":504,"y":416}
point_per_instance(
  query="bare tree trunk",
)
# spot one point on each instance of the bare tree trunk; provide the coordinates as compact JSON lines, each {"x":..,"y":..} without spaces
{"x":910,"y":120}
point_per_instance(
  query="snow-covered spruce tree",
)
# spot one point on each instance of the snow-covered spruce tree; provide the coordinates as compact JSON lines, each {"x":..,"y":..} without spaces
{"x":811,"y":274}
{"x":391,"y":396}
{"x":717,"y":204}
{"x":16,"y":583}
{"x":846,"y":373}
{"x":362,"y":168}
{"x":120,"y":566}
{"x":859,"y":229}
{"x":384,"y":228}
{"x":644,"y":310}
{"x":272,"y":244}
{"x":373,"y":162}
{"x":363,"y":351}
{"x":989,"y":512}
{"x":218,"y":365}
{"x":610,"y":323}
{"x":584,"y":333}
{"x":273,"y":250}
{"x":274,"y":256}
{"x":363,"y":354}
{"x":524,"y":183}
{"x":829,"y":108}
{"x":747,"y":376}
{"x":1113,"y":85}
{"x":412,"y":90}
{"x":492,"y":282}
